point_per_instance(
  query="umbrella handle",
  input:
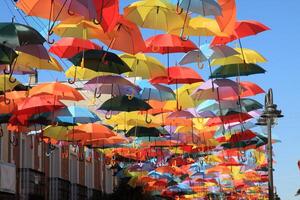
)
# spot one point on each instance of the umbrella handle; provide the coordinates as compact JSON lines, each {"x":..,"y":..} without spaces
{"x":179,"y":10}
{"x":71,"y":13}
{"x":182,"y":37}
{"x":13,"y":140}
{"x":95,"y":21}
{"x":108,"y":115}
{"x":6,"y":71}
{"x":11,"y":79}
{"x":147,"y":120}
{"x":1,"y":131}
{"x":130,"y":97}
{"x":6,"y":100}
{"x":179,"y":108}
{"x":95,"y":94}
{"x":50,"y":41}
{"x":200,"y":66}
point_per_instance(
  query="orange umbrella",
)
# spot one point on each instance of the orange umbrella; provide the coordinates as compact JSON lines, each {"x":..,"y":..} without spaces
{"x":90,"y":132}
{"x":7,"y":108}
{"x":59,"y":90}
{"x":126,"y":37}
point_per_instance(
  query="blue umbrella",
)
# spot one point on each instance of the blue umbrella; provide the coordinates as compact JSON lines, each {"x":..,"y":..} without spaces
{"x":74,"y":115}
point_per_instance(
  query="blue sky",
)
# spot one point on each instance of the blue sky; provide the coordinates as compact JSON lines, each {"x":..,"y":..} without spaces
{"x":281,"y":47}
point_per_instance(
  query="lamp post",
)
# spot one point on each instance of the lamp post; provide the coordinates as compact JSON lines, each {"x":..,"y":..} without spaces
{"x":268,"y":117}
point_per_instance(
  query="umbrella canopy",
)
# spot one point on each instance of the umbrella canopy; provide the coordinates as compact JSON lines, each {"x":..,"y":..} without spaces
{"x":195,"y":56}
{"x":154,"y":14}
{"x":143,"y":66}
{"x":59,"y":90}
{"x":199,"y":26}
{"x":179,"y":75}
{"x":140,"y":131}
{"x":56,"y":132}
{"x":167,"y":43}
{"x":68,"y":47}
{"x":202,"y":7}
{"x":224,"y":88}
{"x":242,"y":29}
{"x":233,"y":70}
{"x":107,"y":13}
{"x":14,"y":35}
{"x":82,"y":73}
{"x":7,"y":55}
{"x":38,"y":104}
{"x":244,"y":56}
{"x":124,"y":103}
{"x":125,"y":37}
{"x":74,"y":115}
{"x":100,"y":61}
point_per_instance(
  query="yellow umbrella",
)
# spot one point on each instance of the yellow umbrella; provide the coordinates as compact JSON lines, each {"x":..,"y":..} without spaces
{"x":82,"y":73}
{"x":184,"y":99}
{"x":245,"y":55}
{"x":154,"y":14}
{"x":5,"y":84}
{"x":79,"y":28}
{"x":29,"y":61}
{"x":143,"y":66}
{"x":200,"y":26}
{"x":56,"y":132}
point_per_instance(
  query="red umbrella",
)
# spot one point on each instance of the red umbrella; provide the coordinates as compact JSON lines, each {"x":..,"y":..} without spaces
{"x":237,"y":137}
{"x":69,"y":47}
{"x":242,"y":29}
{"x":125,"y":36}
{"x":250,"y":89}
{"x":107,"y":13}
{"x":178,"y":75}
{"x":167,"y":43}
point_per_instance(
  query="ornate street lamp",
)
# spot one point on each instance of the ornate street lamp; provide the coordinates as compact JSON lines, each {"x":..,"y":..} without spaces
{"x":268,"y":118}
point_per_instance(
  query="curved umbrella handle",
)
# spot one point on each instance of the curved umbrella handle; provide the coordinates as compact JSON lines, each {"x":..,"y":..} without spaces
{"x":71,"y":13}
{"x":6,"y":71}
{"x":108,"y":114}
{"x":130,"y":97}
{"x":200,"y":66}
{"x":13,"y":140}
{"x":11,"y":79}
{"x":98,"y":96}
{"x":147,"y":119}
{"x":96,"y":22}
{"x":6,"y":100}
{"x":179,"y":108}
{"x":179,"y":10}
{"x":155,"y":49}
{"x":182,"y":37}
{"x":50,"y":41}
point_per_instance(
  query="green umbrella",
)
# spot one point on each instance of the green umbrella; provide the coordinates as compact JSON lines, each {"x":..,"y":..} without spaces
{"x":124,"y":103}
{"x":7,"y":55}
{"x":232,"y":70}
{"x":140,"y":131}
{"x":14,"y":35}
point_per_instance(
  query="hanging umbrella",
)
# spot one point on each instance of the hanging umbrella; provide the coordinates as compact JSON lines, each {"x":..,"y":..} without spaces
{"x":99,"y":61}
{"x":78,"y":27}
{"x":154,"y":14}
{"x":222,"y":51}
{"x":7,"y":55}
{"x":82,"y":73}
{"x":140,"y":131}
{"x":74,"y":115}
{"x":195,"y":56}
{"x":156,"y":94}
{"x":58,"y":90}
{"x":68,"y":47}
{"x":38,"y":104}
{"x":124,"y":103}
{"x":36,"y":50}
{"x":202,"y":7}
{"x":199,"y":26}
{"x":126,"y":37}
{"x":224,"y":88}
{"x":233,"y":70}
{"x":14,"y":35}
{"x":247,"y":56}
{"x":143,"y":66}
{"x":56,"y":132}
{"x":251,"y":89}
{"x":90,"y":131}
{"x":113,"y":83}
{"x":107,"y":13}
{"x":242,"y":29}
{"x":167,"y":43}
{"x":178,"y":75}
